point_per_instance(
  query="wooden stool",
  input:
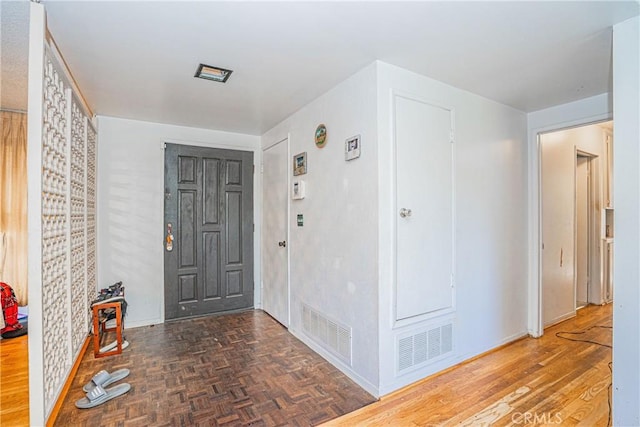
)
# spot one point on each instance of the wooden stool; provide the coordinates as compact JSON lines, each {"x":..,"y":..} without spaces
{"x":99,"y":327}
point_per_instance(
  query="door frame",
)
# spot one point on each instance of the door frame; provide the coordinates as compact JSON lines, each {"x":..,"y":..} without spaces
{"x":590,"y":223}
{"x":273,"y":143}
{"x":535,"y":320}
{"x":257,"y":159}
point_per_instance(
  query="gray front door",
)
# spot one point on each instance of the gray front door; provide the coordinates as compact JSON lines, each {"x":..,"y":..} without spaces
{"x":208,"y":229}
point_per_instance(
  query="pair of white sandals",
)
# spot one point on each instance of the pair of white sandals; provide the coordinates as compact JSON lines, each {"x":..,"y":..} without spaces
{"x":97,"y":392}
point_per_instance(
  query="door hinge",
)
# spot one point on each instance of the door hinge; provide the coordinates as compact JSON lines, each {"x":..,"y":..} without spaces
{"x":254,"y":228}
{"x":453,"y":285}
{"x":451,"y":136}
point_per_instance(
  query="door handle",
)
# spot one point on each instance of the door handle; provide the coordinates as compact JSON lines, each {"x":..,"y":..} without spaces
{"x":169,"y":238}
{"x":405,"y":213}
{"x":282,"y":244}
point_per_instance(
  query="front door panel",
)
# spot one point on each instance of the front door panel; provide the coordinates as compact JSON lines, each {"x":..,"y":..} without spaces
{"x":208,"y":230}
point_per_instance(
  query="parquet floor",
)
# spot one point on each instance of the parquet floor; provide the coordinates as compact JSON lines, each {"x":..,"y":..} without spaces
{"x":238,"y":369}
{"x":545,"y":381}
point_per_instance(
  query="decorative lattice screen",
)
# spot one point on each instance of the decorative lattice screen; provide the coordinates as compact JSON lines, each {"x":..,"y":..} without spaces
{"x":78,"y":222}
{"x":54,"y":229}
{"x":68,"y":226}
{"x":91,"y":283}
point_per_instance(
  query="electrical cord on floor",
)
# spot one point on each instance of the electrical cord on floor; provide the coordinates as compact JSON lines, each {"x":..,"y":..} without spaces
{"x":583,"y":332}
{"x":609,"y":393}
{"x":610,"y":364}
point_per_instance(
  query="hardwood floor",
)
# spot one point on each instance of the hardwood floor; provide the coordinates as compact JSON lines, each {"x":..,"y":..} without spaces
{"x":559,"y":381}
{"x":14,"y":382}
{"x":549,"y":381}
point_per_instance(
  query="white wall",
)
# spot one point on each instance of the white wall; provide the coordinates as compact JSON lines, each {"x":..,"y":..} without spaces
{"x":490,"y":223}
{"x":626,"y":154}
{"x":589,"y":110}
{"x":131,"y":207}
{"x":333,"y":256}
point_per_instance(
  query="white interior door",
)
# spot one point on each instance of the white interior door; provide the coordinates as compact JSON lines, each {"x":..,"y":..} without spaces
{"x":275,"y":248}
{"x":582,"y":230}
{"x":424,"y":208}
{"x":558,"y":198}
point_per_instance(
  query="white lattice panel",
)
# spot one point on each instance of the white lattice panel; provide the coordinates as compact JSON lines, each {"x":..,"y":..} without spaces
{"x":54,"y":231}
{"x":79,"y":309}
{"x":91,"y":214}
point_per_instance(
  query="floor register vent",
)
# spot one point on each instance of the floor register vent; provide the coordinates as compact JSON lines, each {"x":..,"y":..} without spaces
{"x":425,"y":346}
{"x":328,"y":333}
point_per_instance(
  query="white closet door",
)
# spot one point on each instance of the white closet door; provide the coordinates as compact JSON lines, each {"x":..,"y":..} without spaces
{"x":275,"y":264}
{"x":424,"y":208}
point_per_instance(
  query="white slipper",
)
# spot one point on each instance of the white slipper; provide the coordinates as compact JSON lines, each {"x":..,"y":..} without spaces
{"x":99,"y":395}
{"x":104,"y":379}
{"x":113,"y":345}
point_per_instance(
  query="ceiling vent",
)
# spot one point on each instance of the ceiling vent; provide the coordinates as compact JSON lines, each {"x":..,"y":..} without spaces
{"x":216,"y":74}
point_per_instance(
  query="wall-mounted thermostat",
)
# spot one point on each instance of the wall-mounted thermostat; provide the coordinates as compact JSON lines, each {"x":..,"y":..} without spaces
{"x":299,"y":191}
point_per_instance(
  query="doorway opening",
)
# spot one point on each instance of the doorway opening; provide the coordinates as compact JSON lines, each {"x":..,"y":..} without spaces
{"x":583,"y":235}
{"x":575,"y":195}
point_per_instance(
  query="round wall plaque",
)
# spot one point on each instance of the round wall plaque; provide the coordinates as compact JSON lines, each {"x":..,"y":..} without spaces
{"x":321,"y":136}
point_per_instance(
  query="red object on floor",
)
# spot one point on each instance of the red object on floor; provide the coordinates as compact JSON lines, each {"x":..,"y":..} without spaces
{"x":9,"y":302}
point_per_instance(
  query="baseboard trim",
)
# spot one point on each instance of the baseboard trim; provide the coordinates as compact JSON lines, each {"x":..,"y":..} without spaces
{"x":67,"y":385}
{"x":561,"y":319}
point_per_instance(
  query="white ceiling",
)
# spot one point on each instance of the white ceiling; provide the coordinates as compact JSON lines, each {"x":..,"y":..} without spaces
{"x":14,"y":48}
{"x":137,"y":59}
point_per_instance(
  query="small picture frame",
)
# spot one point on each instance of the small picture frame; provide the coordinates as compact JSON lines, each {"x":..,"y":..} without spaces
{"x":352,"y":148}
{"x":300,"y":164}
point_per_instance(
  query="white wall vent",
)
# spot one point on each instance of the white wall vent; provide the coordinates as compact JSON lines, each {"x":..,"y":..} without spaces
{"x":423,"y":347}
{"x":328,"y":333}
